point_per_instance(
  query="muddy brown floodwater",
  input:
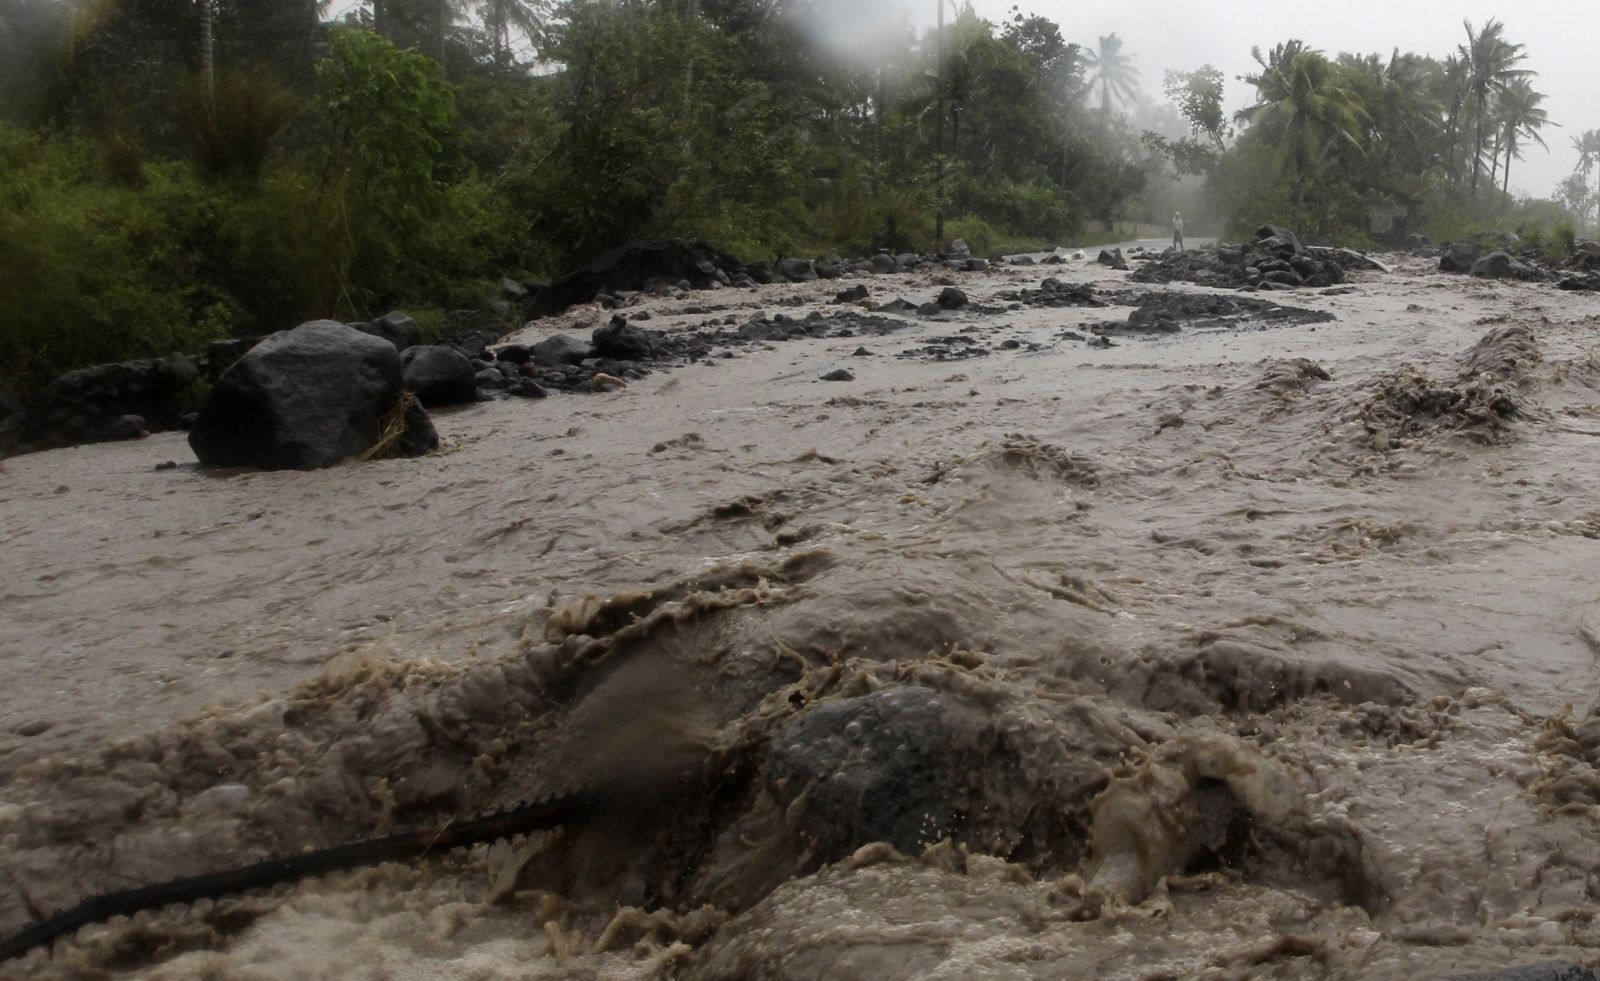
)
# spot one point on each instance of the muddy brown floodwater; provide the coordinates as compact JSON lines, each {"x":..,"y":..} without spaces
{"x":1262,"y":648}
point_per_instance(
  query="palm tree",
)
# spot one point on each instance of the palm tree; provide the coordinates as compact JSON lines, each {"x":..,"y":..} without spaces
{"x":1520,"y":116}
{"x":1588,"y":147}
{"x":502,"y":17}
{"x":1490,"y":62}
{"x":1296,"y":94}
{"x":1113,"y":74}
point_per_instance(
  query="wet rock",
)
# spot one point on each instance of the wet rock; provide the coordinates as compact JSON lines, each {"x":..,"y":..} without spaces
{"x":1022,"y":260}
{"x":960,"y":249}
{"x":130,"y":427}
{"x":1459,"y":258}
{"x":797,"y":270}
{"x":929,"y":309}
{"x":515,"y":353}
{"x":883,"y":263}
{"x":839,"y":375}
{"x":439,"y":375}
{"x":306,"y":398}
{"x":1414,"y":243}
{"x":854,"y":294}
{"x":1055,"y":293}
{"x":903,"y":304}
{"x":95,"y":405}
{"x":489,"y":378}
{"x":395,"y":327}
{"x":622,"y":341}
{"x":1112,"y":258}
{"x":951,"y":298}
{"x":561,"y":349}
{"x":1501,"y":265}
{"x":1278,"y":239}
{"x":527,"y":388}
{"x":1584,"y":257}
{"x":640,"y":266}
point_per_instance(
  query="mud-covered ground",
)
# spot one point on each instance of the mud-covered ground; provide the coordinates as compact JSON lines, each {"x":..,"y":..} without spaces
{"x":1261,"y":647}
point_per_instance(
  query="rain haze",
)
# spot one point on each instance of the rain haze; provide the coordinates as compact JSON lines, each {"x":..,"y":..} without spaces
{"x":1558,"y":39}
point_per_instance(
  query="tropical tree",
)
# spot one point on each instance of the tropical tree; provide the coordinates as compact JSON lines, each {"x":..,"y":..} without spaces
{"x":501,"y":18}
{"x":1489,"y":62}
{"x":1520,"y":116}
{"x":1588,"y":147}
{"x":1112,"y":72}
{"x":1299,"y":100}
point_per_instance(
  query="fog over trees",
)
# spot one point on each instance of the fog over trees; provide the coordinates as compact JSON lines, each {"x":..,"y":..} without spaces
{"x":172,"y":171}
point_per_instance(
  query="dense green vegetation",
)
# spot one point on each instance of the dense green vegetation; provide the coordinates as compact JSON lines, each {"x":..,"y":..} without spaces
{"x":175,"y":170}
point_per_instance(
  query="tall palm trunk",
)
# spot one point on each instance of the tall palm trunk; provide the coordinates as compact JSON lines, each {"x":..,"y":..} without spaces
{"x":1477,"y":151}
{"x":207,"y":52}
{"x":441,"y":15}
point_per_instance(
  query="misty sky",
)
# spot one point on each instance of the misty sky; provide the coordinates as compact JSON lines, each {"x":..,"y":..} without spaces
{"x":1562,"y":38}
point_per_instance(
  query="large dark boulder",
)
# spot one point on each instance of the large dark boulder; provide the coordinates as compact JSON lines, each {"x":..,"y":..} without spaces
{"x":638,"y":266}
{"x":394,"y":327}
{"x":95,"y":405}
{"x":307,"y":398}
{"x":1502,"y":265}
{"x":905,"y":765}
{"x":561,"y":349}
{"x":797,"y":270}
{"x":621,"y":341}
{"x":439,"y":375}
{"x":1107,"y":257}
{"x":1277,"y":238}
{"x":1459,"y":258}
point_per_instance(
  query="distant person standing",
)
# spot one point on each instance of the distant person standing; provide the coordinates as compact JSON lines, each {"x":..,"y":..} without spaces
{"x":1177,"y":230}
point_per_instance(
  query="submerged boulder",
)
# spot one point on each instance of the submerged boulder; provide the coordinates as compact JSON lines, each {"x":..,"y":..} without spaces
{"x":439,"y":375}
{"x":907,"y":766}
{"x":561,"y":349}
{"x":308,"y":398}
{"x":622,"y":341}
{"x":797,"y":270}
{"x":1502,"y":265}
{"x":1459,"y":258}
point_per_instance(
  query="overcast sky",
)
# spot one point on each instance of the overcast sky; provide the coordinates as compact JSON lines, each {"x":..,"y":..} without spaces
{"x":1562,"y":39}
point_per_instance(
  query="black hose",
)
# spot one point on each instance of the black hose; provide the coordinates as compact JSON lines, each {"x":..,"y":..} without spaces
{"x":547,"y":812}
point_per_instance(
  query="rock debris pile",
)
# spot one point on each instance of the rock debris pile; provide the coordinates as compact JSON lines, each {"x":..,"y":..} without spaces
{"x":1274,"y":259}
